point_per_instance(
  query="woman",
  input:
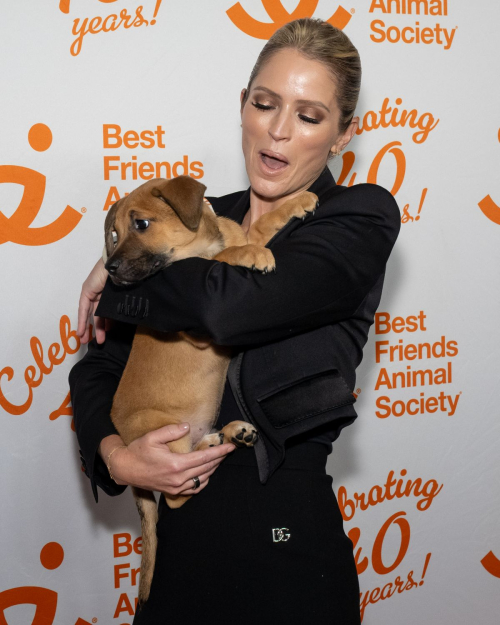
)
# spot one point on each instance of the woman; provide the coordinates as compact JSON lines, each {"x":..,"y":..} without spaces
{"x":265,"y":541}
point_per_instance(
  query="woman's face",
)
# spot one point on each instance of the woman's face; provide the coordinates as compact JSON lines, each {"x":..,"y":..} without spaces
{"x":290,"y":123}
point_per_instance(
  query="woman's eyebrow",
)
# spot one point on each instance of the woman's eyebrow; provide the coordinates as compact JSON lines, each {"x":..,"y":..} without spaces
{"x":309,"y":102}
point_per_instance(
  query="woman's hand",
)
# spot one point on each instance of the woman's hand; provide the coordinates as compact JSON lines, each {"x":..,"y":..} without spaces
{"x":148,"y":462}
{"x":89,"y":298}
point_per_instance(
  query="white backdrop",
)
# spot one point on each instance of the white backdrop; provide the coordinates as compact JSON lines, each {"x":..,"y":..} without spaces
{"x":416,"y":475}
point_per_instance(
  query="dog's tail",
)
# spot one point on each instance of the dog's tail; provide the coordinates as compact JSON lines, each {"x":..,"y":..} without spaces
{"x":146,"y":504}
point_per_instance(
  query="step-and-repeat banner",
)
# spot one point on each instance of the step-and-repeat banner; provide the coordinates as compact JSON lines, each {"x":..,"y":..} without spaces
{"x":101,"y":95}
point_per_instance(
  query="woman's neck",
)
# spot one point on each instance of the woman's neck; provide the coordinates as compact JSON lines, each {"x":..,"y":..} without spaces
{"x":260,"y":206}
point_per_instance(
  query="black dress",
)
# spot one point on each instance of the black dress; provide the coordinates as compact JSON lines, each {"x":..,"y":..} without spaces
{"x":241,"y":552}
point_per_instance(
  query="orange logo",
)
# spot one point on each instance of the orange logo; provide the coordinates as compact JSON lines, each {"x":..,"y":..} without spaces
{"x":45,"y":600}
{"x":489,"y":207}
{"x":17,"y":227}
{"x":280,"y":16}
{"x":491,"y":563}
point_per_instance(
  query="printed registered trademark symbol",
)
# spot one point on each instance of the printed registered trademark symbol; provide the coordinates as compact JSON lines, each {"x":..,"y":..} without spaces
{"x":94,"y":620}
{"x":358,"y":391}
{"x":353,"y":11}
{"x":83,"y":210}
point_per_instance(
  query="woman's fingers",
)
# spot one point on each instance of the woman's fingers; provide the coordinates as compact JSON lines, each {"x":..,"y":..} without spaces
{"x":200,"y":464}
{"x":192,"y":491}
{"x":199,"y":459}
{"x":180,"y":481}
{"x":158,"y":468}
{"x":91,"y":292}
{"x":204,"y":469}
{"x":165,"y":434}
{"x":99,"y":329}
{"x":84,"y":306}
{"x":189,"y":488}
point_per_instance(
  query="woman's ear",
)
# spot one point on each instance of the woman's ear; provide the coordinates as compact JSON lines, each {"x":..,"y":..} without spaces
{"x":344,"y":139}
{"x":243,"y":99}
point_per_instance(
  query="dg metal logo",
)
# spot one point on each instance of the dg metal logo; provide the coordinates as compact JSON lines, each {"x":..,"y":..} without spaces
{"x":281,"y":534}
{"x":280,"y":16}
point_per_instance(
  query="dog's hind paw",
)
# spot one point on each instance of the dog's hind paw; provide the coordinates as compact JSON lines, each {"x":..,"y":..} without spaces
{"x":220,"y":436}
{"x":211,"y":440}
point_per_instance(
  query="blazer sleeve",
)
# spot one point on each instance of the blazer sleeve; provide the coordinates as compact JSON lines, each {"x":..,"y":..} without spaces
{"x":324,"y":270}
{"x":93,"y":382}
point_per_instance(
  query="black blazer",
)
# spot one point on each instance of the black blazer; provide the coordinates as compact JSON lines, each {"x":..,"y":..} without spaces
{"x":297,"y":334}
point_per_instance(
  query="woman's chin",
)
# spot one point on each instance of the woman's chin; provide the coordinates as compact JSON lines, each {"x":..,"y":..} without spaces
{"x":269,"y":189}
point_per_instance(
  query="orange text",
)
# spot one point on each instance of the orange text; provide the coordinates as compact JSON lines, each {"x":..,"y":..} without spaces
{"x":393,"y":488}
{"x":412,"y":323}
{"x":389,"y":116}
{"x":145,"y":170}
{"x":95,"y":25}
{"x":399,"y":352}
{"x":112,"y":137}
{"x":417,"y":405}
{"x":34,"y":374}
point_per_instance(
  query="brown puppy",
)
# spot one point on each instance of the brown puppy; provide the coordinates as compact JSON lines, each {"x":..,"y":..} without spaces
{"x":175,"y":378}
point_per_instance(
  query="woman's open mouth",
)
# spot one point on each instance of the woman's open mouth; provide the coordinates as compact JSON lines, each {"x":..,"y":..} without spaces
{"x":273,"y":162}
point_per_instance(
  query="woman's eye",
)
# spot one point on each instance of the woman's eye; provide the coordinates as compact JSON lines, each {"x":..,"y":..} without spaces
{"x":309,"y":120}
{"x":141,"y":224}
{"x":114,"y":236}
{"x":262,"y":107}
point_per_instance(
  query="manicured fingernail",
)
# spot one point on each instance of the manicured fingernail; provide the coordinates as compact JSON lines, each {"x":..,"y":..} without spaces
{"x":184,"y":426}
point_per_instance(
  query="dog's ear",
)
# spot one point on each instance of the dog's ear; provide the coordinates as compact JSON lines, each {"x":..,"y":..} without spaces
{"x":185,"y":196}
{"x":109,"y":226}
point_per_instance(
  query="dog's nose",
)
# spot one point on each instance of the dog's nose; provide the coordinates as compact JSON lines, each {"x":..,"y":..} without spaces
{"x":112,"y":265}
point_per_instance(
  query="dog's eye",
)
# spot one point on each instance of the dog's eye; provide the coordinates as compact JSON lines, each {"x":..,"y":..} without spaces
{"x":115,"y":238}
{"x":141,"y":224}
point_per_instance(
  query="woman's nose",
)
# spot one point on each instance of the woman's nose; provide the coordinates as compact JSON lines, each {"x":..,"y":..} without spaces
{"x":281,"y":126}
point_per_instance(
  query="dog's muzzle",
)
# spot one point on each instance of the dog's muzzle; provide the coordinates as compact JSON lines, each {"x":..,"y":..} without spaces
{"x":125,"y":271}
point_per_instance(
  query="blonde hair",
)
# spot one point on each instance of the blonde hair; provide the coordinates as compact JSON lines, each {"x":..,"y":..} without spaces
{"x":320,"y":41}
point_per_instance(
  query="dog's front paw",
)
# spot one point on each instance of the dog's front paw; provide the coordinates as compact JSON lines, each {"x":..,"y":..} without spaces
{"x":254,"y":257}
{"x":301,"y":206}
{"x":240,"y":433}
